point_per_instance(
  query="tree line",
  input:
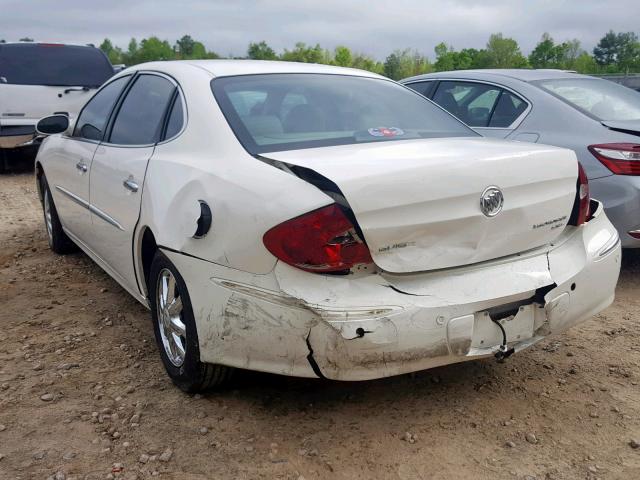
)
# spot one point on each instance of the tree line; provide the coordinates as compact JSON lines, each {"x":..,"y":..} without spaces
{"x":615,"y":53}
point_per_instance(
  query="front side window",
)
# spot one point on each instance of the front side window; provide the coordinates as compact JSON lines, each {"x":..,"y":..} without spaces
{"x":601,"y":99}
{"x":94,"y":116}
{"x":295,"y":111}
{"x":52,"y":64}
{"x":139,"y":119}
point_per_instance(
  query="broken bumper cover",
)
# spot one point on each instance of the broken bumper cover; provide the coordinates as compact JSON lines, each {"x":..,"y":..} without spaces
{"x":295,"y":323}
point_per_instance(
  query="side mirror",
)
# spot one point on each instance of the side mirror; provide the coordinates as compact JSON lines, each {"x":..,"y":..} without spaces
{"x":52,"y":125}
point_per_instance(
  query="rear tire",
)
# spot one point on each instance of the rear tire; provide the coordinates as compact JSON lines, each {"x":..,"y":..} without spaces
{"x":175,"y":330}
{"x":59,"y":242}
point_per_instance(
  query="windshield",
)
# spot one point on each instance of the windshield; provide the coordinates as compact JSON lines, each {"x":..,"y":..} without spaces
{"x":58,"y":65}
{"x":602,"y":99}
{"x":277,"y":112}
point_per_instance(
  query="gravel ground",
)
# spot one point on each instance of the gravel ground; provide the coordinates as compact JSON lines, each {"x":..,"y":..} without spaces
{"x":83,"y":394}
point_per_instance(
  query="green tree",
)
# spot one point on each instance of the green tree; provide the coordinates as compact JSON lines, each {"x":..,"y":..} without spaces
{"x":364,"y":62}
{"x":504,"y":52}
{"x":185,"y":46}
{"x":113,"y":53}
{"x":446,"y":58}
{"x":628,"y":57}
{"x":585,"y":63}
{"x":618,"y":51}
{"x":261,"y":51}
{"x":546,"y":53}
{"x":406,"y":63}
{"x":305,"y":54}
{"x":130,"y":57}
{"x":342,"y":56}
{"x":606,"y":52}
{"x":153,"y":48}
{"x":572,"y":50}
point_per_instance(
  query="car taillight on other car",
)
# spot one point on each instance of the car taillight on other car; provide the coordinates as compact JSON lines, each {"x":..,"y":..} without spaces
{"x":620,"y":158}
{"x":581,"y":213}
{"x":323,"y":240}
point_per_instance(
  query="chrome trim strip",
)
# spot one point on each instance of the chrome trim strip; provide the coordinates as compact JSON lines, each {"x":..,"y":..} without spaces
{"x":95,"y":210}
{"x":110,"y":220}
{"x":73,"y":196}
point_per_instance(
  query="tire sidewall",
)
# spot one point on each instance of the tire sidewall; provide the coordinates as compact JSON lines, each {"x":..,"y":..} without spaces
{"x":44,"y":186}
{"x":190,"y":370}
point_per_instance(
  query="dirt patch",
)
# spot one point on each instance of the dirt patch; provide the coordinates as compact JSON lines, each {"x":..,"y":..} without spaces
{"x":83,"y":394}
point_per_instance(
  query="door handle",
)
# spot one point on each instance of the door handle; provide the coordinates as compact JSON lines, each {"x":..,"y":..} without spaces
{"x":81,"y":166}
{"x":130,"y":184}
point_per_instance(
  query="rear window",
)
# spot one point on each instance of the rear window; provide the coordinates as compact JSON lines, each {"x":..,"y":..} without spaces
{"x":57,"y":65}
{"x":277,"y":112}
{"x":601,"y":99}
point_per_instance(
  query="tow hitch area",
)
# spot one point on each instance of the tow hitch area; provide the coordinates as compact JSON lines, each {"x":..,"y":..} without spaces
{"x":516,"y":322}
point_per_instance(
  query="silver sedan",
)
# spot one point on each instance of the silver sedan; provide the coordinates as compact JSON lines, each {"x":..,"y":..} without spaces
{"x":598,"y":119}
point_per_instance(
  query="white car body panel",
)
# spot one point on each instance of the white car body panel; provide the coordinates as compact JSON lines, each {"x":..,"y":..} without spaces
{"x":253,"y":311}
{"x":418,"y":202}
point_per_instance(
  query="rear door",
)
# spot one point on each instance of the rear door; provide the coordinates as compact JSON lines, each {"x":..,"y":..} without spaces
{"x":67,"y":168}
{"x":489,"y":109}
{"x":119,"y":167}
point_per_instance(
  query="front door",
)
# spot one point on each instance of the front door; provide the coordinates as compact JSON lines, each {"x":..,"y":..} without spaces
{"x":118,"y":171}
{"x":68,"y":167}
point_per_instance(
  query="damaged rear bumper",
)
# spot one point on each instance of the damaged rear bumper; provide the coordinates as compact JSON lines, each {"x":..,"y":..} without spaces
{"x":378,"y":325}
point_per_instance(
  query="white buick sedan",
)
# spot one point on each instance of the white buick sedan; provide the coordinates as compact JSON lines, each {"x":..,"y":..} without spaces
{"x":319,"y":221}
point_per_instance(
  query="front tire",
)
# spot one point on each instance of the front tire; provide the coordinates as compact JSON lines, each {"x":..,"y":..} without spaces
{"x":59,"y":242}
{"x":175,"y":330}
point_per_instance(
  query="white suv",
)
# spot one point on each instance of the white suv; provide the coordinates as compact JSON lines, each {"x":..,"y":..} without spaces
{"x":40,"y":79}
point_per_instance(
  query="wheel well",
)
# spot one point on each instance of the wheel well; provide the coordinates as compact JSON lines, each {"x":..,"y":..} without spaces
{"x":147,"y":252}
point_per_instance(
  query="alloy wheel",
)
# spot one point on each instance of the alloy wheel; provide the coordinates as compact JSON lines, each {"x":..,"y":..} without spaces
{"x":173,"y":331}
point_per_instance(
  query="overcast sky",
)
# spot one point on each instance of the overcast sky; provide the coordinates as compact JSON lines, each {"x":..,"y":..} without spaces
{"x":367,"y":26}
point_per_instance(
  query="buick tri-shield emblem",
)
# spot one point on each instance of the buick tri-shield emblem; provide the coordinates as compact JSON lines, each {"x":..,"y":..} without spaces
{"x":491,"y":201}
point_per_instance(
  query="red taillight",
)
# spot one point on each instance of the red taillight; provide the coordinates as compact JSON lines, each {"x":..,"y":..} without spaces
{"x":620,"y":158}
{"x":581,"y":205}
{"x":323,"y":240}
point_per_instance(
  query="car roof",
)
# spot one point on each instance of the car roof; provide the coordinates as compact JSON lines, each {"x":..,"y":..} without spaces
{"x":61,"y":44}
{"x":523,"y":74}
{"x":225,"y":68}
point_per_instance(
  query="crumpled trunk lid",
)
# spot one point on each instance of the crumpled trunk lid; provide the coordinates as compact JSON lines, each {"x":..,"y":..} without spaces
{"x":418,"y":202}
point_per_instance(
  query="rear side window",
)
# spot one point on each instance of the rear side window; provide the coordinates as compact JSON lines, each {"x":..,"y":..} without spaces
{"x":471,"y":102}
{"x":424,"y":88}
{"x":176,"y":119}
{"x":508,"y":109}
{"x":139,"y":119}
{"x":479,"y":104}
{"x":94,"y":115}
{"x":56,"y":65}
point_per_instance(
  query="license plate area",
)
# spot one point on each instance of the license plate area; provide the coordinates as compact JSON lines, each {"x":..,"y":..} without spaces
{"x":518,"y":326}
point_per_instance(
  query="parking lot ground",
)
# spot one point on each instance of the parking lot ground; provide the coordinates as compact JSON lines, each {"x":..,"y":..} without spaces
{"x":83,"y":394}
